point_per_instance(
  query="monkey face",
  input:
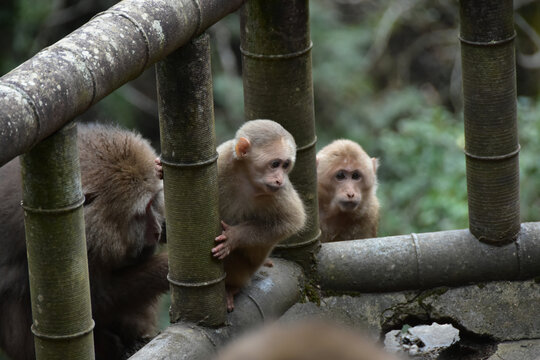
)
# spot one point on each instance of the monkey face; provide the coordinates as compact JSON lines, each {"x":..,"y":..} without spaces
{"x":269,"y":167}
{"x":348,"y":189}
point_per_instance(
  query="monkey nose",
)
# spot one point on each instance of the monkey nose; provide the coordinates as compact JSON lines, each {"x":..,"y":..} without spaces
{"x":350,"y":195}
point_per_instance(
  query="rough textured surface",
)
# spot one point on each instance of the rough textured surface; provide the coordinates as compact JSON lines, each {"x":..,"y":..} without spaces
{"x":500,"y":311}
{"x":63,"y":80}
{"x":427,"y":260}
{"x":518,"y":350}
{"x":271,"y":293}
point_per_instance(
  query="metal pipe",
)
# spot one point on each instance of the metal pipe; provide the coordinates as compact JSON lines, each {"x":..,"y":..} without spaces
{"x":117,"y":45}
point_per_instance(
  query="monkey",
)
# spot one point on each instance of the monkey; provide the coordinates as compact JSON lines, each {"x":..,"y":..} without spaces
{"x":258,"y":205}
{"x":346,"y":187}
{"x":303,"y":340}
{"x":123,"y":213}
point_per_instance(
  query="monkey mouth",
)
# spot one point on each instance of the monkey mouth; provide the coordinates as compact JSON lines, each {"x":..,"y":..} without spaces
{"x":348,"y":205}
{"x":272,"y":188}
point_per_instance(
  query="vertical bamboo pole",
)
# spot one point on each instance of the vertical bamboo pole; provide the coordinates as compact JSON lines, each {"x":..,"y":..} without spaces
{"x":276,"y":53}
{"x":56,"y":247}
{"x":188,"y":145}
{"x":491,"y":136}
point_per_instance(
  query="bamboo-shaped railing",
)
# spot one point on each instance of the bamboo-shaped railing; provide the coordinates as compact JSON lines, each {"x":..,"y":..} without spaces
{"x":491,"y":136}
{"x":62,"y":81}
{"x":56,"y":248}
{"x":188,"y":145}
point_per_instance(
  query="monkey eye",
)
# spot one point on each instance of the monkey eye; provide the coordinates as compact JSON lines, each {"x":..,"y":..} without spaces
{"x":356,"y":175}
{"x":340,"y":175}
{"x":286,"y":164}
{"x":275,"y":164}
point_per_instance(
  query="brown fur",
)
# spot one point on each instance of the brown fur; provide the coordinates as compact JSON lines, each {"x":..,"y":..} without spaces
{"x":122,"y":230}
{"x":304,"y":340}
{"x":256,"y":217}
{"x":360,"y":217}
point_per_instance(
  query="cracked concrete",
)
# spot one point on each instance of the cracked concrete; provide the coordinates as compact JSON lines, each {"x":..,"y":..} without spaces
{"x":504,"y":312}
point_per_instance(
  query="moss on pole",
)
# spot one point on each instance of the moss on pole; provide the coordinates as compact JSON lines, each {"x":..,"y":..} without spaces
{"x":188,"y":145}
{"x":117,"y":45}
{"x":276,"y":53}
{"x":56,"y":247}
{"x":491,"y":137}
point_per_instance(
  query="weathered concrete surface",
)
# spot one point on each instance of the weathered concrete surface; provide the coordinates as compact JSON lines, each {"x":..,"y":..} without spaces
{"x":518,"y":350}
{"x":501,"y":311}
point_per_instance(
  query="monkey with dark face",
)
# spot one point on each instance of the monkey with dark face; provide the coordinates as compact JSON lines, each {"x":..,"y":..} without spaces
{"x":123,"y":213}
{"x":347,"y":182}
{"x":258,"y":205}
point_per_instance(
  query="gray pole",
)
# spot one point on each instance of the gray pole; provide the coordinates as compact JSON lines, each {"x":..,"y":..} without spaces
{"x":491,"y":135}
{"x":56,"y":247}
{"x":188,"y":144}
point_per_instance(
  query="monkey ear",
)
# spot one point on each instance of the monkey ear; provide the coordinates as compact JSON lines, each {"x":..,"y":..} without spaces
{"x":242,"y":147}
{"x":375,"y":164}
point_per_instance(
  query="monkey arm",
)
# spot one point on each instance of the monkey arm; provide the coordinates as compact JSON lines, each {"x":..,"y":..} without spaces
{"x":254,"y":233}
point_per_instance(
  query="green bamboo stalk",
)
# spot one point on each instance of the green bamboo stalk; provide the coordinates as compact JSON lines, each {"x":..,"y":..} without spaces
{"x":491,"y":136}
{"x":276,"y":49}
{"x":56,"y":246}
{"x":188,"y":145}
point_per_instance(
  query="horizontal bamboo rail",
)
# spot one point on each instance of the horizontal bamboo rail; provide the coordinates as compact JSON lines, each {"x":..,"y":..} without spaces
{"x":419,"y":261}
{"x":117,"y":45}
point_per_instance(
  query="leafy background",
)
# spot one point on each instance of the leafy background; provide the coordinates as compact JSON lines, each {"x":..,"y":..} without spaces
{"x":386,"y":74}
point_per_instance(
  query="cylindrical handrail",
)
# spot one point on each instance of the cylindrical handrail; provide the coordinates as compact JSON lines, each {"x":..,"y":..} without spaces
{"x":420,"y":261}
{"x":63,"y":80}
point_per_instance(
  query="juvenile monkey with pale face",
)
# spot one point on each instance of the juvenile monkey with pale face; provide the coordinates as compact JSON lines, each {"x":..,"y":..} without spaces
{"x":347,"y":182}
{"x":258,"y":205}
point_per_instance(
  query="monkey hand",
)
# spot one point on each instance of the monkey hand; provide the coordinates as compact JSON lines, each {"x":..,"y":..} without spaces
{"x":158,"y":168}
{"x":226,"y":243}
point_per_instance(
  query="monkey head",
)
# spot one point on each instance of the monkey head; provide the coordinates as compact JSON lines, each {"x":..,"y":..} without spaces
{"x":124,"y":206}
{"x":268,"y":153}
{"x":346,"y":176}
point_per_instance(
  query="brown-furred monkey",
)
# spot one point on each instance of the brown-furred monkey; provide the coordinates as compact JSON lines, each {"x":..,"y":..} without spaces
{"x":123,"y":213}
{"x":347,"y":182}
{"x":258,"y":205}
